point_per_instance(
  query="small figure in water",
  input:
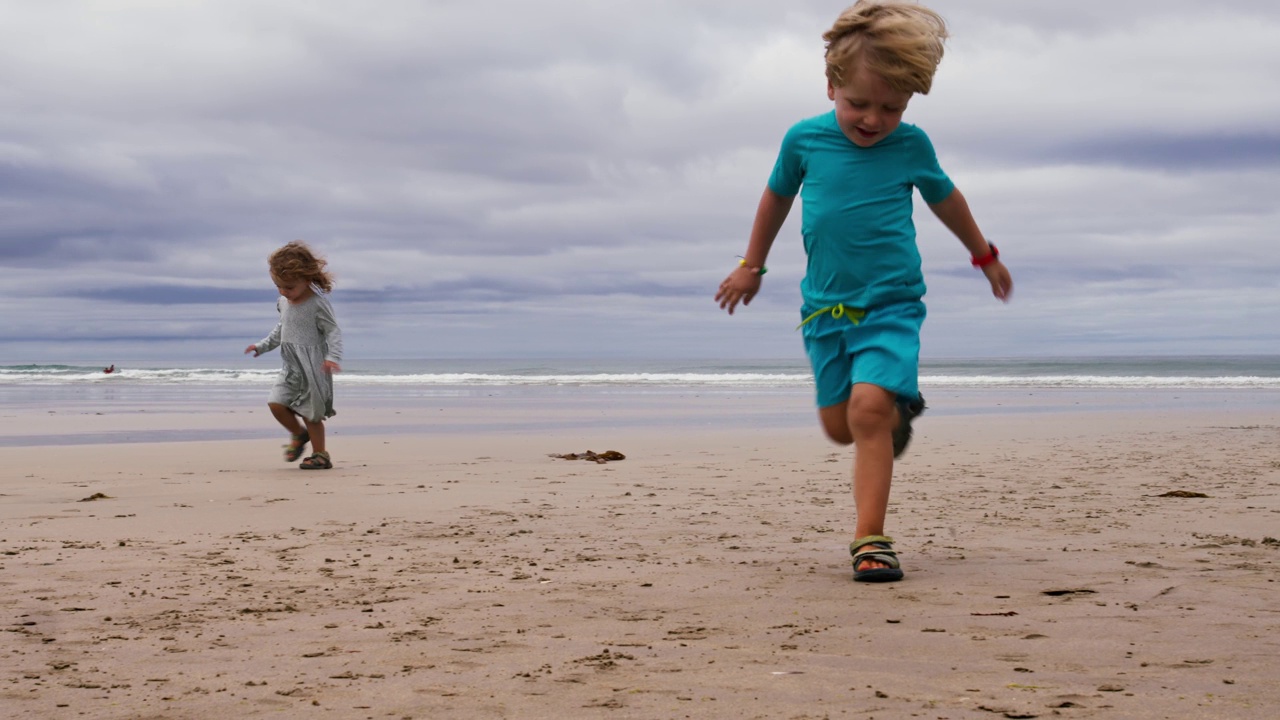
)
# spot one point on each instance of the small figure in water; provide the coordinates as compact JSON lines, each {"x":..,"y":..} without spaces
{"x":109,"y":369}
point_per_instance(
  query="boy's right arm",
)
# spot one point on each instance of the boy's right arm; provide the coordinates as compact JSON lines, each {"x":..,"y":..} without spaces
{"x":954,"y":212}
{"x":744,"y":282}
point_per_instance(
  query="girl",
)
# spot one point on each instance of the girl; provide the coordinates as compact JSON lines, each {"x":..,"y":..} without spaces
{"x":311,"y":346}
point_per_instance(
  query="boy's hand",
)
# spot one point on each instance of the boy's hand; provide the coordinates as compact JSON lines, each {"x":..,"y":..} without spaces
{"x":251,"y":349}
{"x":741,"y":285}
{"x":1000,"y":279}
{"x":331,"y":367}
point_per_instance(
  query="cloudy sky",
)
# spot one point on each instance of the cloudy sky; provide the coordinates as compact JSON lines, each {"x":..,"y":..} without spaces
{"x":567,"y":178}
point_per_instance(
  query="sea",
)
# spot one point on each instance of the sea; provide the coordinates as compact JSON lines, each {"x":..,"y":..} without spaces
{"x":1260,"y":372}
{"x":20,"y":384}
{"x":621,"y":391}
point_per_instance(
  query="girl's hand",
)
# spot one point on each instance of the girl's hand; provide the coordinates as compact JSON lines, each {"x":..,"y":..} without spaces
{"x":1000,"y":279}
{"x":251,"y":349}
{"x":741,"y":286}
{"x":331,"y":367}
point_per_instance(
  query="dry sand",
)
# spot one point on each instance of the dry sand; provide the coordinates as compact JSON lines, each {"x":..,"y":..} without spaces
{"x":705,"y":576}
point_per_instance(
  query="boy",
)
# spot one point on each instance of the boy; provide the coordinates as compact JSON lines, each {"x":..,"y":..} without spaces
{"x":854,"y":169}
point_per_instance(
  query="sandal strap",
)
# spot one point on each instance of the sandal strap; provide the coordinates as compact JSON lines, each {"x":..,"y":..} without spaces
{"x":889,"y":558}
{"x":318,"y":460}
{"x":881,"y":541}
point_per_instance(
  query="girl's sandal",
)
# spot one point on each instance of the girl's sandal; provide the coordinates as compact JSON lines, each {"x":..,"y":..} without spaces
{"x":317,"y":461}
{"x":297,"y":443}
{"x":880,"y":549}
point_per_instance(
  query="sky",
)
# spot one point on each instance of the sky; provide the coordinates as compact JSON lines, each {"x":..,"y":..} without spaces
{"x":573,"y":178}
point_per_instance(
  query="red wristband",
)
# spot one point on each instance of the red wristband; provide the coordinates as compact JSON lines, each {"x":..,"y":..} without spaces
{"x":985,"y":260}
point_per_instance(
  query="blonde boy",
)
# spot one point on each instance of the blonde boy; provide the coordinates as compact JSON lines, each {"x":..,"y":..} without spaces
{"x":855,"y":169}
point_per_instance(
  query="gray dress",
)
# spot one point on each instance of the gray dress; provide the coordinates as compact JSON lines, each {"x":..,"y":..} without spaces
{"x":307,"y":335}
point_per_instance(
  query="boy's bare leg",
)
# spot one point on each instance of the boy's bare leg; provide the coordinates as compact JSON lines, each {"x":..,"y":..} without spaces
{"x":872,"y":417}
{"x":867,"y":420}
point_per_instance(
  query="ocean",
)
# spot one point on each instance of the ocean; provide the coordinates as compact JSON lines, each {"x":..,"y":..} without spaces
{"x":1261,"y":372}
{"x":507,"y":395}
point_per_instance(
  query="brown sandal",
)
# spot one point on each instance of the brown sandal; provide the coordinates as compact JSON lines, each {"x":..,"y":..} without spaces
{"x":907,"y":411}
{"x":878,"y":548}
{"x":297,"y":443}
{"x":317,"y":461}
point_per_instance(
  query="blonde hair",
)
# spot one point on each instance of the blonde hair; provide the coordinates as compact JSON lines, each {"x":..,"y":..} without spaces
{"x":296,"y":261}
{"x":901,"y":42}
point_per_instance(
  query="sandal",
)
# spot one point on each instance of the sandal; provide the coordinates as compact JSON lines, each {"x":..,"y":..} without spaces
{"x":907,"y":411}
{"x":317,"y":461}
{"x":880,"y":549}
{"x":297,"y":443}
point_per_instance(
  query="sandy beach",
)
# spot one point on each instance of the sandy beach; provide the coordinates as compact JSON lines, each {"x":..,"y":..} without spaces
{"x":1057,"y":565}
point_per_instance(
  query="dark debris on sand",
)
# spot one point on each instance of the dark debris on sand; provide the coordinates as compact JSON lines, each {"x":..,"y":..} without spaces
{"x":604,"y":457}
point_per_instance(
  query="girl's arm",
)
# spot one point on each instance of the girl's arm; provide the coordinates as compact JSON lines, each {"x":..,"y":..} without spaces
{"x":744,"y":282}
{"x":328,"y":324}
{"x":955,"y":214}
{"x":270,"y":342}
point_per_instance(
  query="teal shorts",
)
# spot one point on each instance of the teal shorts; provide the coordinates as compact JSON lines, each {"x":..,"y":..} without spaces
{"x":881,"y":348}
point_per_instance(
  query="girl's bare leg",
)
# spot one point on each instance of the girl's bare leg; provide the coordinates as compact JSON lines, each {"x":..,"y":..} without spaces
{"x":286,"y":417}
{"x":316,"y":431}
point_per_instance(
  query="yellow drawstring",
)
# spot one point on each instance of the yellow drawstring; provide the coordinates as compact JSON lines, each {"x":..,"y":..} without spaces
{"x":855,"y":315}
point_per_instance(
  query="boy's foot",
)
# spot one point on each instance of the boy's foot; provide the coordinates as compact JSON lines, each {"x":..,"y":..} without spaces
{"x":297,"y":443}
{"x":317,"y":461}
{"x":874,"y":559}
{"x":908,"y":410}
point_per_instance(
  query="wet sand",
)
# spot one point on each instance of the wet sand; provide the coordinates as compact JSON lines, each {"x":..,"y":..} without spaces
{"x":1056,"y":567}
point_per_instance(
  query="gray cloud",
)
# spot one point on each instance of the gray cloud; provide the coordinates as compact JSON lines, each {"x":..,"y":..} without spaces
{"x":174,"y":295}
{"x":490,"y":174}
{"x":1205,"y":151}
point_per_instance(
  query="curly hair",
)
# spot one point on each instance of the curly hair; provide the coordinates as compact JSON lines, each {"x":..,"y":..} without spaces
{"x":901,"y":42}
{"x":296,"y":261}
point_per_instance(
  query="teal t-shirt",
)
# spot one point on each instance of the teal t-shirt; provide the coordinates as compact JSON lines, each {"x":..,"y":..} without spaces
{"x":857,"y":228}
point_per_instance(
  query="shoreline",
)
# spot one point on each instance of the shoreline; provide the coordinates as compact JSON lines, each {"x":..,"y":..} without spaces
{"x":45,"y":417}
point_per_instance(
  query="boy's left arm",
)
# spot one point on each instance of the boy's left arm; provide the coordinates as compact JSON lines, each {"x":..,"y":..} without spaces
{"x":954,"y":213}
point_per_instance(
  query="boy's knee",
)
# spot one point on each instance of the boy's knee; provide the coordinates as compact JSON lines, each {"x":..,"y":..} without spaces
{"x":870,"y":412}
{"x":838,"y":435}
{"x":835,"y":423}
